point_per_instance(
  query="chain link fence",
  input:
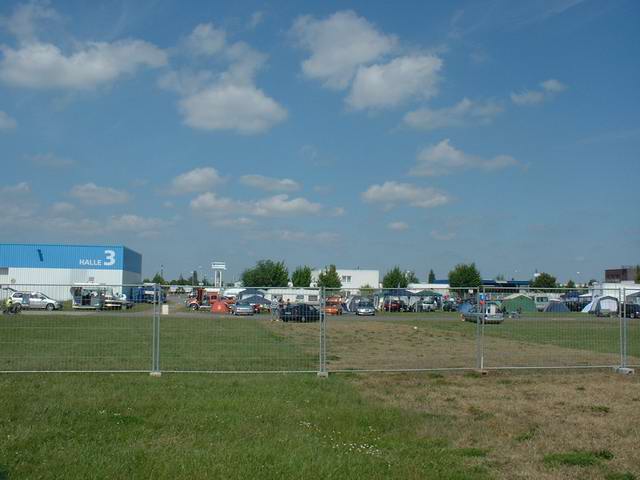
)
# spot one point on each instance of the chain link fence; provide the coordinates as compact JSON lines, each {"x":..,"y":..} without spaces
{"x":152,"y":328}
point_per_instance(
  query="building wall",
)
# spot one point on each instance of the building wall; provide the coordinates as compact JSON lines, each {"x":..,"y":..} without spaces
{"x":353,"y":279}
{"x":52,"y":268}
{"x":620,"y":274}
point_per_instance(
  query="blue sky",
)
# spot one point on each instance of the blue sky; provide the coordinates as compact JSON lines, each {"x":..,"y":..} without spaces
{"x":366,"y":134}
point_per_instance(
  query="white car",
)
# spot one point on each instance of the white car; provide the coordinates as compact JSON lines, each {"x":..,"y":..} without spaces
{"x":365,"y":309}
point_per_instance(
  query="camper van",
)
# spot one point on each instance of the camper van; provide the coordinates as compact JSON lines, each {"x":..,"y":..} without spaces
{"x":92,"y":296}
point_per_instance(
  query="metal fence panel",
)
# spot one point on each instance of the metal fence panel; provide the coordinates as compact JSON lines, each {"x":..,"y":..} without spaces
{"x":405,"y":330}
{"x":219,"y":337}
{"x":51,"y":335}
{"x":546,"y":333}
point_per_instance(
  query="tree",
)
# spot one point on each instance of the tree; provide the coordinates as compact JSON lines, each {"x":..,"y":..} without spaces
{"x":194,"y":278}
{"x":301,"y":277}
{"x":544,"y":280}
{"x":366,"y":290}
{"x":205,"y":282}
{"x":146,"y":280}
{"x":637,"y":273}
{"x":432,"y":277}
{"x":329,"y":278}
{"x":411,"y":277}
{"x":395,"y":278}
{"x":157,"y":278}
{"x":571,"y":284}
{"x":592,"y":281}
{"x":464,"y":275}
{"x":266,"y":273}
{"x":500,"y":278}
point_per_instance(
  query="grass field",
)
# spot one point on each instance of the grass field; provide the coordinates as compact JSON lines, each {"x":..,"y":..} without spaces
{"x":412,"y":425}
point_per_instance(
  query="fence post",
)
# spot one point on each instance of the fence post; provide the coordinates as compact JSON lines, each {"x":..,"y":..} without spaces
{"x":624,"y":339}
{"x":479,"y":347}
{"x":322,"y":366}
{"x":155,"y":349}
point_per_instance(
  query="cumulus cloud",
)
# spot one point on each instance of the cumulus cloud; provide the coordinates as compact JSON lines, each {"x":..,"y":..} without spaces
{"x":196,"y":180}
{"x":19,"y":188}
{"x":135,"y":223}
{"x":256,"y":19}
{"x":338,"y":45}
{"x":465,"y":112}
{"x":548,"y":89}
{"x":218,"y":206}
{"x":62,"y":208}
{"x":23,"y":22}
{"x":282,"y":205}
{"x":44,"y":65}
{"x":270,"y":184}
{"x":92,"y":194}
{"x":443,"y":158}
{"x":391,"y":194}
{"x":6,"y":122}
{"x":49,"y":160}
{"x":227,"y":100}
{"x":243,"y":108}
{"x":398,"y":226}
{"x":393,"y":83}
{"x":206,"y":39}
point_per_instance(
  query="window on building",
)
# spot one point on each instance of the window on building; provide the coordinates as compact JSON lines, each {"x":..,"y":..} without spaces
{"x":346,"y":278}
{"x":313,"y":298}
{"x":4,"y":270}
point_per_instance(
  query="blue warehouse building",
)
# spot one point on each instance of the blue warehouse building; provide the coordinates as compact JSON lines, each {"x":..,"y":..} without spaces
{"x":27,"y":266}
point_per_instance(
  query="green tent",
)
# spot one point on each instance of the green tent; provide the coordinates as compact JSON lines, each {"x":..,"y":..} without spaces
{"x":518,"y":302}
{"x":427,"y":293}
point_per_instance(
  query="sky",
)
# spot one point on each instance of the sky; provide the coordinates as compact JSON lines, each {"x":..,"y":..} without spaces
{"x":362,"y":134}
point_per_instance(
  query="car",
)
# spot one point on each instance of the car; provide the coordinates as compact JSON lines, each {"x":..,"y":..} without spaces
{"x":424,"y":306}
{"x":365,"y":308}
{"x":36,"y":301}
{"x":300,"y":312}
{"x":394,"y":306}
{"x":491,"y":314}
{"x":449,"y":306}
{"x":243,"y":309}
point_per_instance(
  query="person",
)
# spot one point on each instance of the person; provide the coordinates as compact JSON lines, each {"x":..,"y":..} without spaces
{"x":274,"y":309}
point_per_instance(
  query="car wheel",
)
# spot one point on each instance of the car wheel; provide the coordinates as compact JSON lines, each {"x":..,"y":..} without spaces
{"x":49,"y":307}
{"x":193,"y":307}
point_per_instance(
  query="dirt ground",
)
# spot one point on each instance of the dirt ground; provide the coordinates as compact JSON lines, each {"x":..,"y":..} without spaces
{"x":516,"y":418}
{"x":380,"y":345}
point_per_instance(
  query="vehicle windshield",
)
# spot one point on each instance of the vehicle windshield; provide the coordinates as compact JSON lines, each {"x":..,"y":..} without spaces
{"x":366,"y":305}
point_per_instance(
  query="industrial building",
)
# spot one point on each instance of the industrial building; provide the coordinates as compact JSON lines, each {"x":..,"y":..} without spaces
{"x":27,"y":266}
{"x":626,"y":273}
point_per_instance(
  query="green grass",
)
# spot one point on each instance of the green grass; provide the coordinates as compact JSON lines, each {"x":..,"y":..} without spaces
{"x":578,"y":458}
{"x":221,"y":426}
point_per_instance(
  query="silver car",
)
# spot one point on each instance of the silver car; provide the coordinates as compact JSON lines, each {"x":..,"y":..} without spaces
{"x":365,"y":309}
{"x":36,"y":301}
{"x":243,"y":309}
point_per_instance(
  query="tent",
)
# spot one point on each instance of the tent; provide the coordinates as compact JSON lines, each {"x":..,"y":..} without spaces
{"x":427,"y":293}
{"x":465,"y":307}
{"x":255,"y":300}
{"x":518,"y":302}
{"x":398,"y":292}
{"x":556,"y":306}
{"x":601,"y":304}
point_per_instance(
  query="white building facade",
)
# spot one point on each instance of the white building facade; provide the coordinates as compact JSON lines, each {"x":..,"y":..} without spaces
{"x":353,"y":279}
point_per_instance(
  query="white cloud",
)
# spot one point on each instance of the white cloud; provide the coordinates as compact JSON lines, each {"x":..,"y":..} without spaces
{"x":50,"y":160}
{"x":549,"y":88}
{"x":553,"y":85}
{"x":393,"y":83}
{"x":20,"y":188}
{"x":227,"y":100}
{"x":243,"y":108}
{"x":6,"y":122}
{"x":206,"y":39}
{"x":462,"y":113}
{"x":338,"y":45}
{"x":270,"y":184}
{"x":92,"y":194}
{"x":275,"y":206}
{"x":44,"y":65}
{"x":302,"y":236}
{"x":281,"y":205}
{"x":23,"y":22}
{"x":256,"y":19}
{"x":196,"y":180}
{"x":399,"y":226}
{"x":443,"y":158}
{"x":391,"y":193}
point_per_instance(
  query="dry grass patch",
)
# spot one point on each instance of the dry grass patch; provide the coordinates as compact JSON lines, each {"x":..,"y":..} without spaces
{"x":527,"y":426}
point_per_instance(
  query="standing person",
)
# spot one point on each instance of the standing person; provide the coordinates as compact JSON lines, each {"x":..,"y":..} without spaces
{"x":275,"y":311}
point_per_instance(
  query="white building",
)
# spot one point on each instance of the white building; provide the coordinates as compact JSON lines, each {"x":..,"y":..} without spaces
{"x":353,"y":280}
